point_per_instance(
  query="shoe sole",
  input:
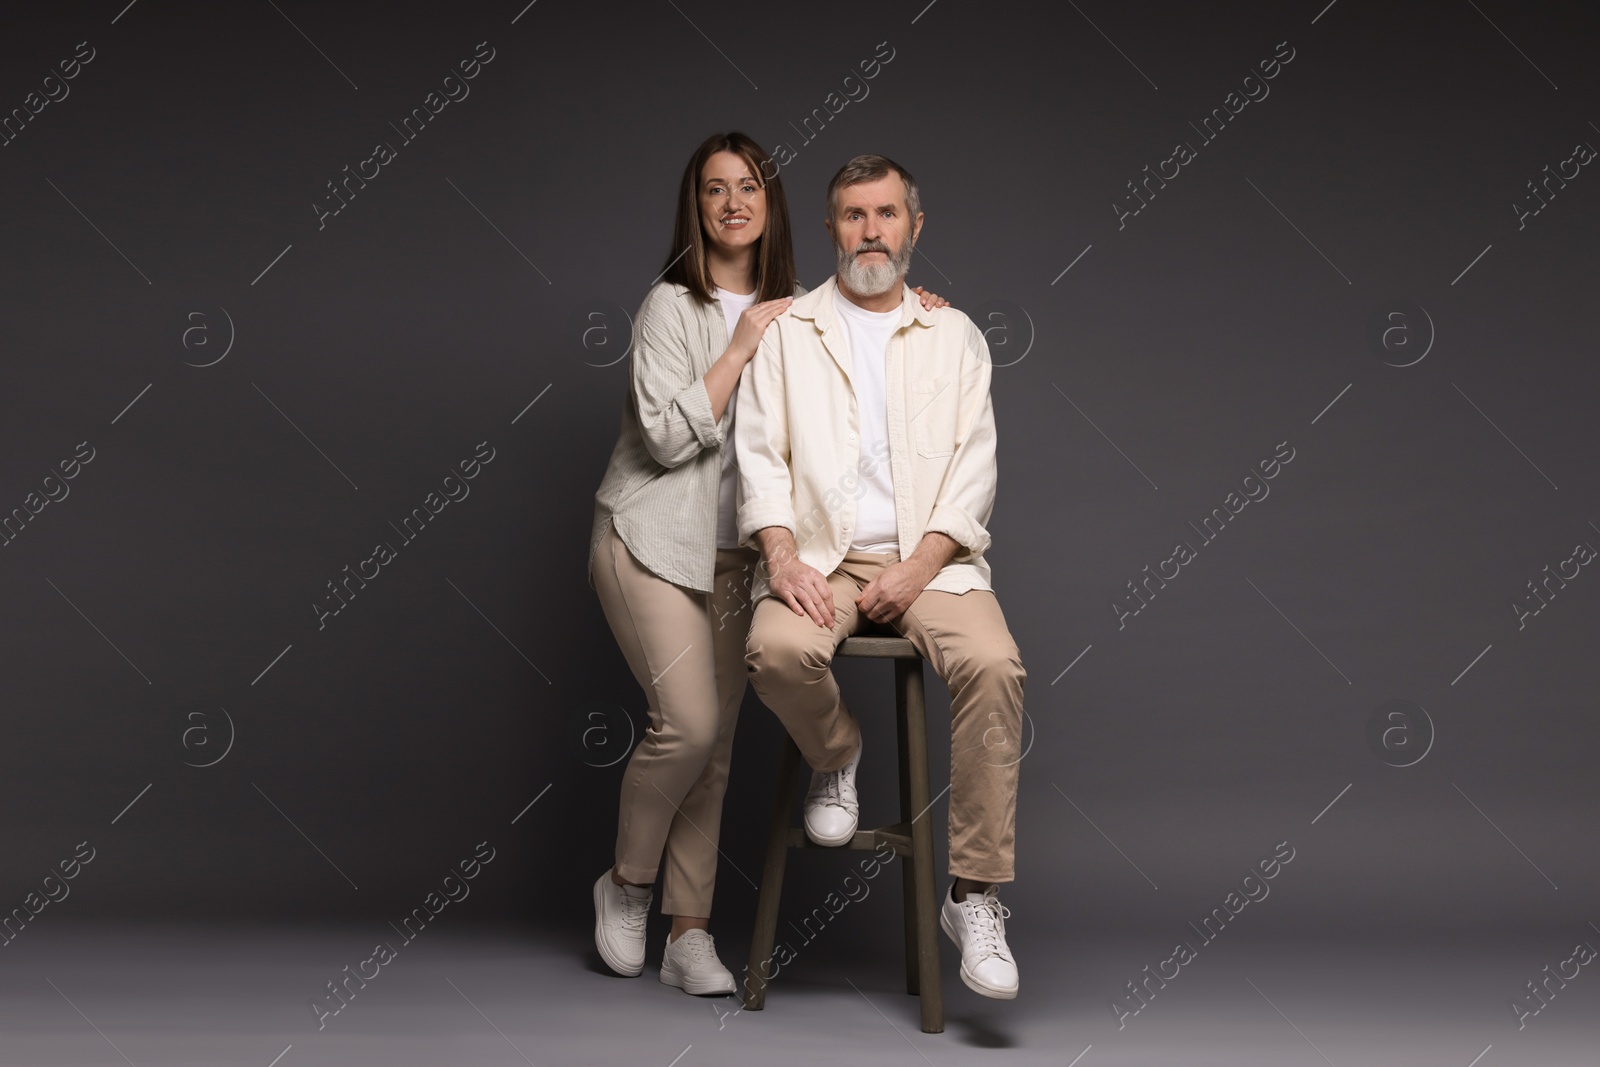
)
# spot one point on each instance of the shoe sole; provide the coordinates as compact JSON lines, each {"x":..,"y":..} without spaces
{"x":627,"y":971}
{"x":673,"y":978}
{"x":972,"y":982}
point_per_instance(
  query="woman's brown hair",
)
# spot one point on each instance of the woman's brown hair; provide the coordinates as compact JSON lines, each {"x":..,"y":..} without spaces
{"x":687,"y":264}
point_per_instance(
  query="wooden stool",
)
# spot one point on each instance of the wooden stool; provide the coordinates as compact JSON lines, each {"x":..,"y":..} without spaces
{"x":911,"y":837}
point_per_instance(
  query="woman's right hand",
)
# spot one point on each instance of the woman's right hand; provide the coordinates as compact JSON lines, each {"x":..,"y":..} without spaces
{"x":753,"y":322}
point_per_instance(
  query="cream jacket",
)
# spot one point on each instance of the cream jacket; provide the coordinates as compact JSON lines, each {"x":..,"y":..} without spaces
{"x":796,"y":436}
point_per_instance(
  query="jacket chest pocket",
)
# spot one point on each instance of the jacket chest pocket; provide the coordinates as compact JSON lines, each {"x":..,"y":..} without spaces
{"x":933,"y":416}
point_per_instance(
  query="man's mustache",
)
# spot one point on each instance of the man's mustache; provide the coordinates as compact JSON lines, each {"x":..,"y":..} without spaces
{"x":872,"y":246}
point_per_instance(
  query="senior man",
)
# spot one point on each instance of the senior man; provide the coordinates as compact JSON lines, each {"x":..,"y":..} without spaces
{"x":866,"y":451}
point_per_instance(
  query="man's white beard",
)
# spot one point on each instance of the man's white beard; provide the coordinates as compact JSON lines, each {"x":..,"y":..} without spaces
{"x":873,"y":279}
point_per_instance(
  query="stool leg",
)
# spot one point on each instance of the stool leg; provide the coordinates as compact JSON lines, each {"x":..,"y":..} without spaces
{"x":908,"y":878}
{"x":909,"y":688}
{"x":766,"y":927}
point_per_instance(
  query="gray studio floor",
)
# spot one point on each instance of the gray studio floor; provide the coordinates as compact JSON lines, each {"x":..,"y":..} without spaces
{"x":184,"y":995}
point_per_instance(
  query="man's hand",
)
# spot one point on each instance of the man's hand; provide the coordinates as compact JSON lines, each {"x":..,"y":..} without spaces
{"x":805,"y":590}
{"x":798,"y":584}
{"x":888,"y":595}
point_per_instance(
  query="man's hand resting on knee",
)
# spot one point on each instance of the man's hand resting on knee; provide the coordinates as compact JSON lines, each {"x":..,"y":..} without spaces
{"x":798,"y":584}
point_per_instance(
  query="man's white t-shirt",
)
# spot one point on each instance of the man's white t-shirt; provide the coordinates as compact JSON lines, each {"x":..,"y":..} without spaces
{"x":733,"y":304}
{"x":869,"y":333}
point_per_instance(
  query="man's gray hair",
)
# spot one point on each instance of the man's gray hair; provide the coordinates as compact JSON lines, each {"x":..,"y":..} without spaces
{"x":870,"y":168}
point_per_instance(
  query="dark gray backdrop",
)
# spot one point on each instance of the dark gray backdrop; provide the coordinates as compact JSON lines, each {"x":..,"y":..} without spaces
{"x":164,"y":208}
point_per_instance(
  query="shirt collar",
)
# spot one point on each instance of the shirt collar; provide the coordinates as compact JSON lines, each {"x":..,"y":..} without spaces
{"x":817,"y":306}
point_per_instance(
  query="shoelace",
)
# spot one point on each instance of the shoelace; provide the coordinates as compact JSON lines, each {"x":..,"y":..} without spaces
{"x":635,"y":910}
{"x":986,"y":924}
{"x":700,"y":948}
{"x":833,"y":788}
{"x":845,"y":791}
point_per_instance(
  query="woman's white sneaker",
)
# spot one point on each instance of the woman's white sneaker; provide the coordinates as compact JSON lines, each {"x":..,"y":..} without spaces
{"x":620,"y":912}
{"x":831,"y":808}
{"x":691,"y":964}
{"x":978,"y":927}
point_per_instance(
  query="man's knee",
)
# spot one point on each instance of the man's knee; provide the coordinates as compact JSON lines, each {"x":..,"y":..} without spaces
{"x":783,"y":650}
{"x":773,"y":652}
{"x":996,"y":664}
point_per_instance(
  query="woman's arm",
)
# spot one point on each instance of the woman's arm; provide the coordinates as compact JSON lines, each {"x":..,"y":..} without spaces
{"x":673,"y":406}
{"x":723,"y":377}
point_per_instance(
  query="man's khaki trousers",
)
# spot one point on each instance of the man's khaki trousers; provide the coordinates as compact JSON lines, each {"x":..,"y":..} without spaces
{"x":964,"y":637}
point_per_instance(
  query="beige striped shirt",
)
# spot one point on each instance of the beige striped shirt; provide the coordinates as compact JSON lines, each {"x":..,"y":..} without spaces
{"x":661,"y":484}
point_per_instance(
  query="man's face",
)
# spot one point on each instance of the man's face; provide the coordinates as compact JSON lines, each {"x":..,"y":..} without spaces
{"x":873,"y":235}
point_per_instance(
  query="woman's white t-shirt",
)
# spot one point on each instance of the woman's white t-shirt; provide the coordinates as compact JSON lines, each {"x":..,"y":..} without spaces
{"x":733,"y":304}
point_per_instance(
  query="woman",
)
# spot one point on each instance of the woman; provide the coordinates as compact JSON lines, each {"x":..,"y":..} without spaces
{"x":664,"y":552}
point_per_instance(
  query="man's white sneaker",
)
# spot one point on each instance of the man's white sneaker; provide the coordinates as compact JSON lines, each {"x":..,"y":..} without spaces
{"x":978,"y":927}
{"x":691,"y":964}
{"x":831,"y":808}
{"x":619,"y":916}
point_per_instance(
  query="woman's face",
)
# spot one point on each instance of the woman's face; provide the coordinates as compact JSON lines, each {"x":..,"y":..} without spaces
{"x":733,"y":204}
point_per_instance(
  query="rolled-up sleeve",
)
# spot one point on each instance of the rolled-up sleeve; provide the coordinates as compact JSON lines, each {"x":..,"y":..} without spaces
{"x":761,"y":443}
{"x":966,"y":496}
{"x":673,"y":406}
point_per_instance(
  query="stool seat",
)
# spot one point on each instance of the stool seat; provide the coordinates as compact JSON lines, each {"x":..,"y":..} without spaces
{"x":911,"y":838}
{"x":878,"y":647}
